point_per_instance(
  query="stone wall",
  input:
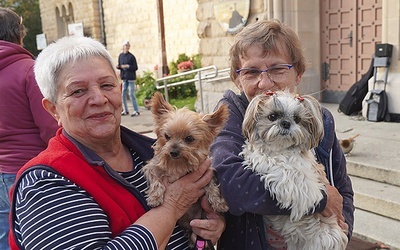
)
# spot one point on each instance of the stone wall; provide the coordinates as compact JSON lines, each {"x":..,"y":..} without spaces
{"x":133,"y":20}
{"x":137,"y":21}
{"x":214,"y":48}
{"x":84,"y":11}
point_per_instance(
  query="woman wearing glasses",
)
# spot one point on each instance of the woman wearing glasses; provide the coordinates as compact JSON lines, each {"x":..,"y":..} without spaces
{"x":267,"y":56}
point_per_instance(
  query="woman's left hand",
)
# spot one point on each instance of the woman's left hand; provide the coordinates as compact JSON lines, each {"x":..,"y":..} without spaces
{"x":210,"y":228}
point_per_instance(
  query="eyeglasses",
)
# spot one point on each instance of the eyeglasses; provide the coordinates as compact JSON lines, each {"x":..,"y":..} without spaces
{"x":276,"y":73}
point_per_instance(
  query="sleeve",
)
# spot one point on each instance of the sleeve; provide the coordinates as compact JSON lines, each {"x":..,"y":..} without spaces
{"x":242,"y":189}
{"x":133,"y":67}
{"x":46,"y":124}
{"x":344,"y":186}
{"x":342,"y":182}
{"x":53,"y":213}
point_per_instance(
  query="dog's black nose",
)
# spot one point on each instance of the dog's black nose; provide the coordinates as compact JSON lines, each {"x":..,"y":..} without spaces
{"x":285,"y":124}
{"x":174,"y":153}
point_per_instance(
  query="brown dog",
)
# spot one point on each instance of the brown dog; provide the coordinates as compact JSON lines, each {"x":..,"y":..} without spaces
{"x":183,"y":141}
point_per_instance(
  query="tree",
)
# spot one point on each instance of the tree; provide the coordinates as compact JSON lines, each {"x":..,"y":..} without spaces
{"x":30,"y":12}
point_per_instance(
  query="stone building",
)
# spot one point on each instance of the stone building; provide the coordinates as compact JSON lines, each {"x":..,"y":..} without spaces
{"x":113,"y":22}
{"x":338,"y":37}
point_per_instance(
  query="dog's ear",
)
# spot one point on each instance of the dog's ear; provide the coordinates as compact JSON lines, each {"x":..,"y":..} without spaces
{"x":158,"y":104}
{"x":314,"y":121}
{"x":251,"y":118}
{"x":160,"y":108}
{"x":216,"y":121}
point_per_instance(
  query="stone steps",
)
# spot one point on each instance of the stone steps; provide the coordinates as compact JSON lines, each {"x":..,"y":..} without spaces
{"x":376,"y":229}
{"x":377,"y":215}
{"x":374,"y":168}
{"x":381,"y":174}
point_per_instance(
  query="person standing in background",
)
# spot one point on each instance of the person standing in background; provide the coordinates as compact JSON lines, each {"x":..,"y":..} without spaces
{"x":25,"y":126}
{"x":128,"y":66}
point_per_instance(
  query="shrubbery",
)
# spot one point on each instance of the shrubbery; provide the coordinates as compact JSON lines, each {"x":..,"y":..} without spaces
{"x":146,"y":82}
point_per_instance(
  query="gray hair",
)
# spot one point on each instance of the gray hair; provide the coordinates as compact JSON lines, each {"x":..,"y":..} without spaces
{"x":54,"y":57}
{"x":271,"y":36}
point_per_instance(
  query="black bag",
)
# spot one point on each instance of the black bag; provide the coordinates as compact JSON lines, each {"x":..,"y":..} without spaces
{"x":378,"y":106}
{"x":352,"y":101}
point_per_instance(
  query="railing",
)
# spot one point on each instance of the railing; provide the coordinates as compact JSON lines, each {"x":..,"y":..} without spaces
{"x":209,"y":73}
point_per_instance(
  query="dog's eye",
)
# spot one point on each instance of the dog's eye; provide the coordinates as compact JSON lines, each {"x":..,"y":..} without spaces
{"x":167,"y":137}
{"x":189,"y":139}
{"x":296,"y":119}
{"x":273,"y":117}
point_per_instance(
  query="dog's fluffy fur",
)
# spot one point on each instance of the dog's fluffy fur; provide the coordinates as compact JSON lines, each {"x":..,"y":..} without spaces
{"x":280,"y":131}
{"x":183,"y":141}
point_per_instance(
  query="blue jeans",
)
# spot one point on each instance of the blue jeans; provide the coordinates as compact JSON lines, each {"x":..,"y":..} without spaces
{"x":131,"y":85}
{"x":6,"y":181}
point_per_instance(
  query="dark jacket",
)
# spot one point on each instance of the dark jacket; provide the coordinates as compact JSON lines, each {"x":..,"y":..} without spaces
{"x":129,"y":73}
{"x":244,"y":191}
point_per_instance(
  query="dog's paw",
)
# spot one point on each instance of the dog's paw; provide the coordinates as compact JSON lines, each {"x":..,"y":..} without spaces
{"x":219,"y":205}
{"x":215,"y":198}
{"x":154,"y":201}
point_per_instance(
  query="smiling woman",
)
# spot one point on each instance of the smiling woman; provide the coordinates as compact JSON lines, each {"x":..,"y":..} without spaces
{"x":91,"y":171}
{"x":88,"y":105}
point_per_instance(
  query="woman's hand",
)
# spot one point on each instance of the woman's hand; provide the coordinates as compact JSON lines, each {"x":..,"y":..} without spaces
{"x":334,"y":207}
{"x":334,"y":204}
{"x":210,"y":228}
{"x":184,"y":192}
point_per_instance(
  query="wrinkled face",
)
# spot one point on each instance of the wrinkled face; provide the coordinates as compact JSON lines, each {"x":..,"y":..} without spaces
{"x":89,"y":101}
{"x":253,"y":86}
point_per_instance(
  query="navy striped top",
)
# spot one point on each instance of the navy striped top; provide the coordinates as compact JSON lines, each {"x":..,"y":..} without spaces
{"x":62,"y":215}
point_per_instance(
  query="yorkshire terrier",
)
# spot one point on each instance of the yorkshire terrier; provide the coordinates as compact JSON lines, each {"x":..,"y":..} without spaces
{"x":280,"y":131}
{"x":183,"y":141}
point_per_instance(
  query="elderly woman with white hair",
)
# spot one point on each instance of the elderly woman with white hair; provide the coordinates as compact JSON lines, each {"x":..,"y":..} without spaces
{"x":86,"y":190}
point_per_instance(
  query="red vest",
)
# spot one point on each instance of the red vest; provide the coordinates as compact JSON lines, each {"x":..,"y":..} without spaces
{"x":119,"y":204}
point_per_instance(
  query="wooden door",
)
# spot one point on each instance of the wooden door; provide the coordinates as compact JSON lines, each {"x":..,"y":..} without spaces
{"x":369,"y":32}
{"x":349,"y":31}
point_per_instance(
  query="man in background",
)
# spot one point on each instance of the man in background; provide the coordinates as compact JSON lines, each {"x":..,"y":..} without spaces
{"x":128,"y":66}
{"x":25,"y":127}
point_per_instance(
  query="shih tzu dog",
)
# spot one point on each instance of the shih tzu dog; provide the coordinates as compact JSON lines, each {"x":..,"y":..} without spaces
{"x":183,"y":141}
{"x":280,"y":131}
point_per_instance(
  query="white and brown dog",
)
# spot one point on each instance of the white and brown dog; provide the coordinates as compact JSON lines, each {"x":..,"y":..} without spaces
{"x":280,"y":130}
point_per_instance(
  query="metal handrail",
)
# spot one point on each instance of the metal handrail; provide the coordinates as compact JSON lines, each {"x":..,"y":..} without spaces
{"x":223,"y":77}
{"x":199,"y":77}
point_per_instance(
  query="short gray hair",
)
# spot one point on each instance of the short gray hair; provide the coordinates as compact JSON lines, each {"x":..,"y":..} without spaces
{"x":271,"y":36}
{"x":54,"y":57}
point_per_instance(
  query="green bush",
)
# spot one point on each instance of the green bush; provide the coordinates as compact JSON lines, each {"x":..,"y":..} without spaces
{"x":185,"y":90}
{"x":147,"y":83}
{"x":146,"y":87}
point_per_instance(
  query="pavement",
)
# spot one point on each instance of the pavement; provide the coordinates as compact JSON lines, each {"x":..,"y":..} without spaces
{"x":142,"y":123}
{"x":374,"y":160}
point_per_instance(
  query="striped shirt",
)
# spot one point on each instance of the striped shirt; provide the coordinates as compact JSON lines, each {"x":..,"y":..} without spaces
{"x":54,"y":213}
